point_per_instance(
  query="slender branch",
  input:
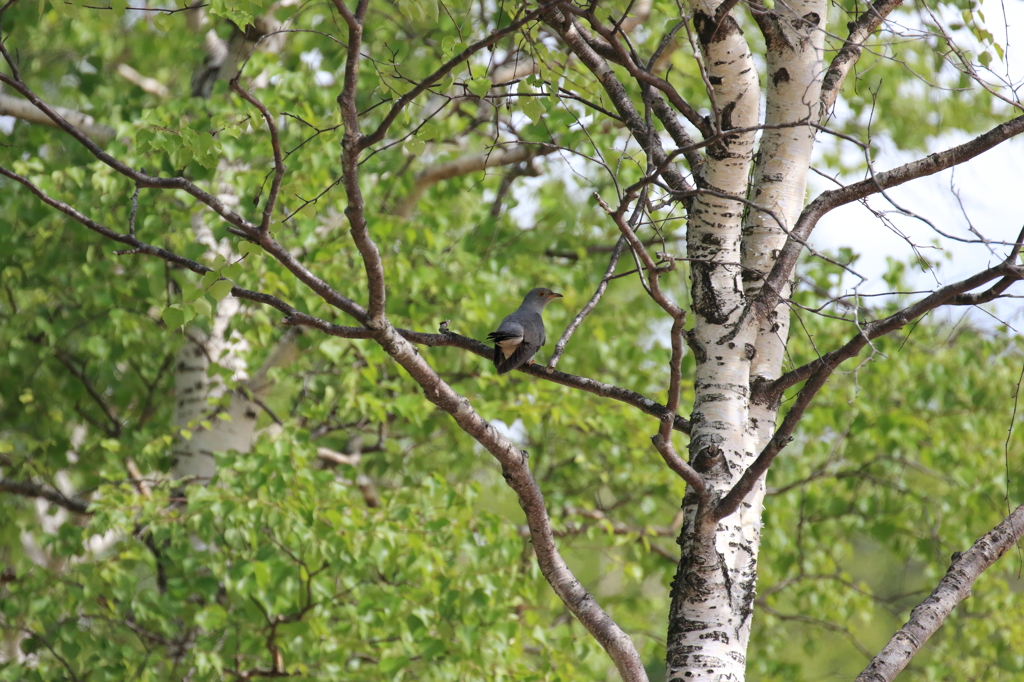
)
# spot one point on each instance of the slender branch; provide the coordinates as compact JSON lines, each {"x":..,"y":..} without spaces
{"x":831,"y":199}
{"x":139,"y":247}
{"x":591,"y":304}
{"x":29,"y":489}
{"x":275,"y":142}
{"x":421,"y":87}
{"x":653,"y":271}
{"x":638,"y":72}
{"x":452,"y":340}
{"x":115,"y":424}
{"x":141,"y":179}
{"x":954,"y":587}
{"x":150,"y":85}
{"x":571,"y":34}
{"x":849,"y":54}
{"x":465,"y":165}
{"x":953,"y":294}
{"x":351,"y":145}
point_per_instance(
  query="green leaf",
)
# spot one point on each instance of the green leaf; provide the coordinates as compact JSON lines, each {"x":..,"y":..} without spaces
{"x":532,"y":107}
{"x":479,"y":86}
{"x":262,"y":574}
{"x":212,"y":617}
{"x":173,"y":317}
{"x":415,"y":147}
{"x":247,"y":248}
{"x":202,"y":307}
{"x":220,"y":289}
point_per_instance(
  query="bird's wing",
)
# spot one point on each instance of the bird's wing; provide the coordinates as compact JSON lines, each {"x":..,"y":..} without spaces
{"x":516,"y":340}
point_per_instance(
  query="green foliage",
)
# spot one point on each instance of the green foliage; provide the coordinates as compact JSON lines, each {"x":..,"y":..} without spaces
{"x":903,"y":460}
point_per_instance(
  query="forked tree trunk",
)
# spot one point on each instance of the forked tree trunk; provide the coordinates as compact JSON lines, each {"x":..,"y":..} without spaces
{"x":733,"y":247}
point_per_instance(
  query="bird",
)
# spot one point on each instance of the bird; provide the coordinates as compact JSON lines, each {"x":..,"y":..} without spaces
{"x":521,"y":334}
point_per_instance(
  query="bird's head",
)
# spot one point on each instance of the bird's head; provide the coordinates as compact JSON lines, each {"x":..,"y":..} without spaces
{"x":541,"y":295}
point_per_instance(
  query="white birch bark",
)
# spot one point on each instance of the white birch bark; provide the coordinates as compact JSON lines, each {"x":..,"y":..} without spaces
{"x":709,"y":620}
{"x":194,"y":390}
{"x":795,"y":53}
{"x":714,"y":590}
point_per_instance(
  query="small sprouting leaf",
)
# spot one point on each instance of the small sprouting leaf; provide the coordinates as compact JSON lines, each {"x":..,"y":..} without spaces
{"x":232,"y":271}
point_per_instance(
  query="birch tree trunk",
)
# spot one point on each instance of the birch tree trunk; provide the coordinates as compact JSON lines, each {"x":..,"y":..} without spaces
{"x":714,"y":587}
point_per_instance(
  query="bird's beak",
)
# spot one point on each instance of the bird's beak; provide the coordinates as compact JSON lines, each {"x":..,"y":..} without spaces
{"x":554,"y":295}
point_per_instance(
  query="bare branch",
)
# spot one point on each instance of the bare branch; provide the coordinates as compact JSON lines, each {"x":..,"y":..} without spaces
{"x":139,"y":247}
{"x":421,"y":87}
{"x":351,"y":145}
{"x":591,"y":304}
{"x":79,"y":373}
{"x":850,"y":53}
{"x":29,"y":489}
{"x":449,"y":339}
{"x":653,"y":271}
{"x":465,"y":165}
{"x":831,"y":199}
{"x":275,"y":142}
{"x":954,"y":587}
{"x":575,"y":39}
{"x":150,"y":85}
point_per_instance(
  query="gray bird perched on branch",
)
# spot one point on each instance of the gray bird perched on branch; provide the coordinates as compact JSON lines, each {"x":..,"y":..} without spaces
{"x":521,"y":334}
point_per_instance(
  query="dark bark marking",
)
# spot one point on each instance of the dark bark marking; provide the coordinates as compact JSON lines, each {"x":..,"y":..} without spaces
{"x":709,"y":32}
{"x":705,"y":302}
{"x":727,"y":112}
{"x":710,"y":459}
{"x":780,"y":76}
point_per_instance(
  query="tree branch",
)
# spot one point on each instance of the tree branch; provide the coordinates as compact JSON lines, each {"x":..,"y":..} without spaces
{"x":850,"y":53}
{"x":818,"y":371}
{"x":951,"y":590}
{"x":831,"y":199}
{"x":26,"y":111}
{"x":421,"y":87}
{"x":115,"y":424}
{"x":140,"y":247}
{"x":141,"y":179}
{"x":591,"y":304}
{"x":465,"y":165}
{"x":275,"y":143}
{"x":516,"y":472}
{"x":574,"y":38}
{"x":452,"y":340}
{"x":29,"y":489}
